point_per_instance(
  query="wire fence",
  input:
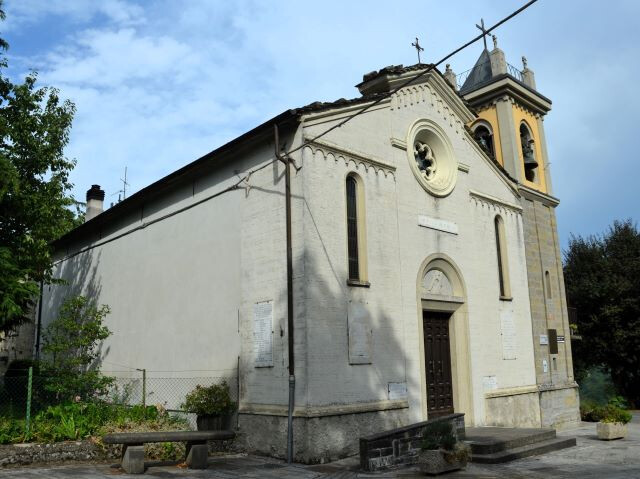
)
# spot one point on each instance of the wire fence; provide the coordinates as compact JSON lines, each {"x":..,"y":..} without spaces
{"x":24,"y":394}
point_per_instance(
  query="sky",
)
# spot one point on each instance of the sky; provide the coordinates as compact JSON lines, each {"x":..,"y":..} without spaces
{"x":159,"y":83}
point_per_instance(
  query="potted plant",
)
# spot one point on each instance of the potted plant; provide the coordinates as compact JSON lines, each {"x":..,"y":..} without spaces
{"x":613,"y":423}
{"x":212,"y":405}
{"x":441,"y":451}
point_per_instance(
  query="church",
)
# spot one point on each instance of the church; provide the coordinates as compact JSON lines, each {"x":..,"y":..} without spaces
{"x":426,"y":270}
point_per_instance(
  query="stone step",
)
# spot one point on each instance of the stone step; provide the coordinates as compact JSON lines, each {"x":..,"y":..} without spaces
{"x":489,"y":440}
{"x":534,"y":449}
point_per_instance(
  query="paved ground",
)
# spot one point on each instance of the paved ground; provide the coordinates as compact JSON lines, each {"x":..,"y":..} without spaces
{"x":591,"y":458}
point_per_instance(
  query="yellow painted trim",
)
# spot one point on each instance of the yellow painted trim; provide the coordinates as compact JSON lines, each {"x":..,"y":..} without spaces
{"x":521,"y":115}
{"x":490,"y":116}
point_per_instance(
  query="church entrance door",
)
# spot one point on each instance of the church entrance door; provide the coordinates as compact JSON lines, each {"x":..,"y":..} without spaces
{"x":437,"y":363}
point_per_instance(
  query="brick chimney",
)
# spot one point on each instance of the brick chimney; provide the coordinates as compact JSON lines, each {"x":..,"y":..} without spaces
{"x":95,"y":200}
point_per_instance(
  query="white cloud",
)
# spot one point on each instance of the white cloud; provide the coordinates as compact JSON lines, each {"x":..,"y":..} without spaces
{"x":23,"y":13}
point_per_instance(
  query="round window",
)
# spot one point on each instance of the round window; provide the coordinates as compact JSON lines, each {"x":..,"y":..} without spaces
{"x":431,"y":158}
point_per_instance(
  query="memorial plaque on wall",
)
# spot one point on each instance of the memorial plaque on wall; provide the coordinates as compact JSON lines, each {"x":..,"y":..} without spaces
{"x":360,"y":334}
{"x":508,"y":329}
{"x":263,"y":334}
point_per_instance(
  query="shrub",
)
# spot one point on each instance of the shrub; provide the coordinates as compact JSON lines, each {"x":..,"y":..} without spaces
{"x":613,"y":414}
{"x":439,"y":435}
{"x":70,"y":344}
{"x":590,"y":411}
{"x":213,"y":400}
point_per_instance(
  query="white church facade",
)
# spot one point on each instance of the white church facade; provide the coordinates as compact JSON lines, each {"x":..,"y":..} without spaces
{"x":427,"y":276}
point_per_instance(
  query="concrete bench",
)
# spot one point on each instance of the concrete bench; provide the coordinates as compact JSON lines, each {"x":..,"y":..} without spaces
{"x":196,"y":442}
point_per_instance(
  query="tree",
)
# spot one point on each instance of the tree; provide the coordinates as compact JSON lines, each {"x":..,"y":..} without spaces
{"x":71,"y":346}
{"x":602,"y":276}
{"x":35,"y":204}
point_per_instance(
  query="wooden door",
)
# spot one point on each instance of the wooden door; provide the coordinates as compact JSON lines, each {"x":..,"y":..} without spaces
{"x":437,"y":363}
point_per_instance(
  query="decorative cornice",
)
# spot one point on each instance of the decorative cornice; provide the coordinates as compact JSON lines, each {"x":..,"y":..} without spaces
{"x":492,"y":200}
{"x":531,"y":194}
{"x":323,"y":411}
{"x":348,"y":155}
{"x":440,"y":95}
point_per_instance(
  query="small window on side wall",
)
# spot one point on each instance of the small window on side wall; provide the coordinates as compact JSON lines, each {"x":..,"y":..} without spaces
{"x":547,"y":284}
{"x":356,"y":238}
{"x":503,"y":262}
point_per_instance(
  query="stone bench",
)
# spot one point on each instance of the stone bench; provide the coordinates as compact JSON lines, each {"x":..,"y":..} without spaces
{"x":196,"y":442}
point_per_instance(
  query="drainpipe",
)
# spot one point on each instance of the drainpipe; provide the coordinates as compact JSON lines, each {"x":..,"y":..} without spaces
{"x":292,"y":377}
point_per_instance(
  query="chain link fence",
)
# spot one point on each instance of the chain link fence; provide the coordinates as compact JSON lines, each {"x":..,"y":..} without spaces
{"x":23,"y":394}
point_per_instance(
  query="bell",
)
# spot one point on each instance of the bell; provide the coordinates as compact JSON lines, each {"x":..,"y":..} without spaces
{"x":529,"y":161}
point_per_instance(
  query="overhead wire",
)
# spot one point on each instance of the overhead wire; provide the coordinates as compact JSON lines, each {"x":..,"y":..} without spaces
{"x":286,"y":154}
{"x":429,"y":68}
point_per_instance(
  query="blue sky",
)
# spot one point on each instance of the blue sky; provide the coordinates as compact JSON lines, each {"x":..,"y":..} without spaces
{"x":159,"y":83}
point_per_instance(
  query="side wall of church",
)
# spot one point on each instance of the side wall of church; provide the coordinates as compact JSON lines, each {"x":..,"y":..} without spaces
{"x":559,"y":402}
{"x":181,"y":290}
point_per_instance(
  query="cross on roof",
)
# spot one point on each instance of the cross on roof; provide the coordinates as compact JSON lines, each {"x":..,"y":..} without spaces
{"x":418,"y":48}
{"x":484,"y":32}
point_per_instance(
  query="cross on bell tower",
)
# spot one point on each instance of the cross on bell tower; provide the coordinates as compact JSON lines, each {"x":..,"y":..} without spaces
{"x":484,"y":32}
{"x":418,"y":48}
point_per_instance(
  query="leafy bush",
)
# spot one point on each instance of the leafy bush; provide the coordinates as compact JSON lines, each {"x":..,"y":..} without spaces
{"x":11,"y":430}
{"x":213,"y":400}
{"x":590,"y":411}
{"x":439,"y":435}
{"x":613,"y":414}
{"x":70,"y":344}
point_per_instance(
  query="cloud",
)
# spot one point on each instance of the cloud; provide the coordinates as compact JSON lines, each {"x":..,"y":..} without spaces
{"x":22,"y":14}
{"x":158,"y":84}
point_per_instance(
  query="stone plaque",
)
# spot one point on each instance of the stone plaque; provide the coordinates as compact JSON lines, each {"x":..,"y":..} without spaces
{"x":508,"y":329}
{"x":489,"y":383}
{"x":263,"y":334}
{"x":545,"y":366}
{"x":360,"y":334}
{"x":544,"y":339}
{"x":397,"y":391}
{"x":438,"y":224}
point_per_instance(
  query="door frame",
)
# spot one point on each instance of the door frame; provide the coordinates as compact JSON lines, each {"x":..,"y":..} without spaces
{"x":455,"y":304}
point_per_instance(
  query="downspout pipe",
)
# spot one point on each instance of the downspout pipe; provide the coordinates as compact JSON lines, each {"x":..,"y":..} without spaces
{"x":290,"y":331}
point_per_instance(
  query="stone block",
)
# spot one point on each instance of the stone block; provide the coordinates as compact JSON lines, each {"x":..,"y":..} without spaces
{"x":197,"y":456}
{"x":133,"y":459}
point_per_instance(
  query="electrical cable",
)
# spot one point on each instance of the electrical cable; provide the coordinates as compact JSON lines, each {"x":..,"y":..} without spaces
{"x":286,"y":154}
{"x":411,"y":80}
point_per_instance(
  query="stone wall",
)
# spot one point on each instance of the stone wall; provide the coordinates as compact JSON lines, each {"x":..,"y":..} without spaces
{"x":514,"y":410}
{"x":25,"y":454}
{"x":554,"y":372}
{"x":316,"y":439}
{"x":400,"y":447}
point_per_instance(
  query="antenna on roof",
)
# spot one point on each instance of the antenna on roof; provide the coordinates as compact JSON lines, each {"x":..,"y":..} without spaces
{"x":122,"y":194}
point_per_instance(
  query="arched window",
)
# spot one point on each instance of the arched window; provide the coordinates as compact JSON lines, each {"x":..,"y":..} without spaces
{"x":547,"y":284}
{"x":528,"y":153}
{"x":356,"y":238}
{"x":503,"y":262}
{"x":484,"y":136}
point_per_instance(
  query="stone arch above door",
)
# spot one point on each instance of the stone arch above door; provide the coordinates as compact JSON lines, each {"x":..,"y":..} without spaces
{"x":440,"y":280}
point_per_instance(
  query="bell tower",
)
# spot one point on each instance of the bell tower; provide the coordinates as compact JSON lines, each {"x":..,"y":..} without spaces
{"x":510,"y":129}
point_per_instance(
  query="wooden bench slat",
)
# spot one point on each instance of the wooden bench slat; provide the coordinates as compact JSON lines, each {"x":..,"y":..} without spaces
{"x":166,"y":436}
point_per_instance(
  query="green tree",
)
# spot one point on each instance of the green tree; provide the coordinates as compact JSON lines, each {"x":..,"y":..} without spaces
{"x":35,"y":203}
{"x":71,"y":344}
{"x":602,"y":276}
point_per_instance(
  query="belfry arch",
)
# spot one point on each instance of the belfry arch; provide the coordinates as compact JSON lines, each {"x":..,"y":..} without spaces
{"x":441,"y":294}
